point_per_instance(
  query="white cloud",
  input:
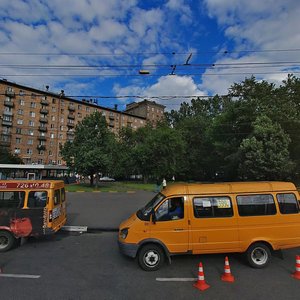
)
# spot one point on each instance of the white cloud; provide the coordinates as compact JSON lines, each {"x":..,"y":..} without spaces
{"x":172,"y":87}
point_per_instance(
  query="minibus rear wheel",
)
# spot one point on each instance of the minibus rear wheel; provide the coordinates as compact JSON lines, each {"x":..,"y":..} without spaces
{"x":258,"y":255}
{"x":7,"y":241}
{"x":151,"y":257}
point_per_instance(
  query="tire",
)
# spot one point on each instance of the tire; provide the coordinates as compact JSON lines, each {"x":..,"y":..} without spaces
{"x":151,"y":257}
{"x":7,"y":241}
{"x":258,"y":255}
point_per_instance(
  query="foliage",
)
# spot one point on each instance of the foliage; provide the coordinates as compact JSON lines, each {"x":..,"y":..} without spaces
{"x":264,"y":155}
{"x":91,"y":151}
{"x":7,"y":157}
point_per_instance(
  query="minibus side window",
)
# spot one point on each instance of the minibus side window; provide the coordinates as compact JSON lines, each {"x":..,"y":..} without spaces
{"x":171,"y":209}
{"x":37,"y":199}
{"x":288,"y":203}
{"x":216,"y":207}
{"x":56,"y":197}
{"x":12,"y":199}
{"x":256,"y":205}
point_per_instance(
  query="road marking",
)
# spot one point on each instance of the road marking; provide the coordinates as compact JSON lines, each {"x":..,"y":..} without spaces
{"x":176,"y":279}
{"x":20,"y":276}
{"x":75,"y":228}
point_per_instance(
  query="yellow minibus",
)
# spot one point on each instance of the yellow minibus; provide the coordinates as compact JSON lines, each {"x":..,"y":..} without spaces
{"x":30,"y":208}
{"x":252,"y":217}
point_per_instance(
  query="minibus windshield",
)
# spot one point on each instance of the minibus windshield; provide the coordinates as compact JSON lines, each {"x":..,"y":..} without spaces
{"x":144,"y":213}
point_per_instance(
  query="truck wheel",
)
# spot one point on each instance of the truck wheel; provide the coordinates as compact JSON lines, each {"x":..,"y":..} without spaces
{"x":151,"y":257}
{"x":7,"y":241}
{"x":258,"y":255}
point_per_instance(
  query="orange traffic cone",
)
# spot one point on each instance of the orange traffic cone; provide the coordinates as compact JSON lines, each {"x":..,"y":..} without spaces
{"x":296,"y":274}
{"x":201,"y":284}
{"x":226,"y":276}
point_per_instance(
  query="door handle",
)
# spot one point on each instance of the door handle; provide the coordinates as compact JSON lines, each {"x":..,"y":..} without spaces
{"x":178,"y":229}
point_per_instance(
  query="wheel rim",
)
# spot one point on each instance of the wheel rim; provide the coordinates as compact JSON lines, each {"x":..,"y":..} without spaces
{"x":151,"y":258}
{"x":259,"y":256}
{"x":3,"y":242}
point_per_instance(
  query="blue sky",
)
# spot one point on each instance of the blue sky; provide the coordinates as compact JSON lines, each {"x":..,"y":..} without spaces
{"x":95,"y":48}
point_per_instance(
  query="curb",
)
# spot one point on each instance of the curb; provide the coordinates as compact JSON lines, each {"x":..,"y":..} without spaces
{"x":86,"y":229}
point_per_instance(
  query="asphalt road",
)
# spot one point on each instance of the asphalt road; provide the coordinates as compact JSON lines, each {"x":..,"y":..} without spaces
{"x":103,"y":210}
{"x":89,"y":266}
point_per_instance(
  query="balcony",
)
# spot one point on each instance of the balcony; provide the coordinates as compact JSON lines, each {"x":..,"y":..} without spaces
{"x":6,"y":123}
{"x":43,"y":129}
{"x":41,"y":147}
{"x":8,"y":103}
{"x":42,"y":138}
{"x":112,"y":117}
{"x":71,"y":133}
{"x":5,"y":143}
{"x":71,"y":116}
{"x":7,"y":113}
{"x":44,"y":102}
{"x":10,"y":93}
{"x":43,"y":120}
{"x":71,"y":107}
{"x":44,"y":111}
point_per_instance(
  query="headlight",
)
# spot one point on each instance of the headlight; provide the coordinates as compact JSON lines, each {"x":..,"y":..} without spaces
{"x":124,"y":233}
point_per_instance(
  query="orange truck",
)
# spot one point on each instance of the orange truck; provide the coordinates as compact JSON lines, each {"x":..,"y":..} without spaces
{"x":251,"y":217}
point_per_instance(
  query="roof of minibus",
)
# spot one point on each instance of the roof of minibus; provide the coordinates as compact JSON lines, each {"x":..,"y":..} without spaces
{"x":227,"y":187}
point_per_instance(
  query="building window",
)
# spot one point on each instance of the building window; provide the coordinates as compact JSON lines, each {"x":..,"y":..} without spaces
{"x":30,"y":132}
{"x":29,"y":151}
{"x":19,"y":130}
{"x":52,"y":135}
{"x":18,"y":140}
{"x":22,"y":102}
{"x":50,"y":153}
{"x":52,"y":118}
{"x":53,"y":100}
{"x":32,"y":114}
{"x":61,"y":136}
{"x":31,"y":123}
{"x":21,"y":93}
{"x":52,"y":126}
{"x":62,"y":111}
{"x":87,"y":109}
{"x":19,"y":121}
{"x":53,"y":109}
{"x":32,"y":104}
{"x":20,"y":112}
{"x":61,"y":127}
{"x":33,"y":96}
{"x":30,"y":142}
{"x":79,"y":106}
{"x":62,"y":120}
{"x":17,"y":151}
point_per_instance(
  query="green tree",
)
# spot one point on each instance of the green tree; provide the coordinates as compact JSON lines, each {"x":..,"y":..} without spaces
{"x":157,"y":151}
{"x":92,"y":150}
{"x":264,"y":155}
{"x":6,"y":157}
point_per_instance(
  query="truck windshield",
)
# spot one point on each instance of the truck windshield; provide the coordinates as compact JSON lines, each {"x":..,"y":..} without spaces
{"x":144,"y":213}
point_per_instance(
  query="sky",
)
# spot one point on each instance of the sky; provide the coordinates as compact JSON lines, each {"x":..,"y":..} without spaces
{"x":95,"y":49}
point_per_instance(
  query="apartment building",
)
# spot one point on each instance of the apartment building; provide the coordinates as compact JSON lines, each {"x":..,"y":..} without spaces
{"x":34,"y":123}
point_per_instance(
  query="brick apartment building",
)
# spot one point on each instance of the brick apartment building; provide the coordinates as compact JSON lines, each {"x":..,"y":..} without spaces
{"x":33,"y":123}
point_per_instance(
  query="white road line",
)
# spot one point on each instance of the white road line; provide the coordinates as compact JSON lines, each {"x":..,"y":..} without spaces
{"x":20,"y":276}
{"x":176,"y":279}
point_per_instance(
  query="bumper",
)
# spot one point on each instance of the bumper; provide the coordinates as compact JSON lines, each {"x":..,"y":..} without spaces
{"x":128,"y":249}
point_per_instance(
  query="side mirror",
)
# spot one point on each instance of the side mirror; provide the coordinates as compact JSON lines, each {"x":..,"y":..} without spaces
{"x":153,"y":216}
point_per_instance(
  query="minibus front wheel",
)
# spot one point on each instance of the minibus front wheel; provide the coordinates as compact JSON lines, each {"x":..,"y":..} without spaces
{"x":7,"y":241}
{"x":258,"y":255}
{"x":151,"y":257}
